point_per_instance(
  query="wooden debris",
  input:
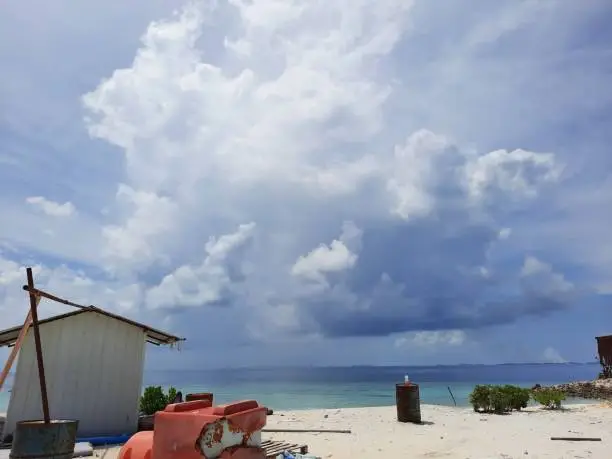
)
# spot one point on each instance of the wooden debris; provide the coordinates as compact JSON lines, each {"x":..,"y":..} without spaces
{"x":576,"y":438}
{"x":274,"y":448}
{"x":343,"y":431}
{"x":451,"y":394}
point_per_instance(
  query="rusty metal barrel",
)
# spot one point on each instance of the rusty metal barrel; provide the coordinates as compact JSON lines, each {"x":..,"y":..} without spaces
{"x":199,"y":396}
{"x":37,"y":440}
{"x":408,"y":402}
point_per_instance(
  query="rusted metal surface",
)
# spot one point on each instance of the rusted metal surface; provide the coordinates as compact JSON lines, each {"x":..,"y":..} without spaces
{"x":222,"y":434}
{"x":199,"y":396}
{"x":604,"y":349}
{"x":408,"y":403}
{"x":151,"y":332}
{"x":154,"y":336}
{"x":38,"y":344}
{"x":243,"y":452}
{"x":196,"y":430}
{"x":38,"y":440}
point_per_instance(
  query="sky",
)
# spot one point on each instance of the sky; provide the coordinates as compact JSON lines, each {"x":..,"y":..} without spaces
{"x":292,"y":182}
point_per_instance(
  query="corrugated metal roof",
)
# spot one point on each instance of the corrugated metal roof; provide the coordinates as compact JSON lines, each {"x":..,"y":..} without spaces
{"x":9,"y":336}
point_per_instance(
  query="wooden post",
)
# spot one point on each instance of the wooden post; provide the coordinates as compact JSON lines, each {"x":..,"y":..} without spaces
{"x":17,"y":346}
{"x":39,"y":355}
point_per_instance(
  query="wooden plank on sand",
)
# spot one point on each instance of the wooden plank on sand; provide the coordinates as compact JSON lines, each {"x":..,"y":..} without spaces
{"x":274,"y":448}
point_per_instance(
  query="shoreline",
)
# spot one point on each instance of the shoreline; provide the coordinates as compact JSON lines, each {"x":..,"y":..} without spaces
{"x":573,"y":401}
{"x":598,"y":389}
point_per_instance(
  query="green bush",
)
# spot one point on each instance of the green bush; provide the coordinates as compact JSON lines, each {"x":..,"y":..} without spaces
{"x":550,"y":398}
{"x":171,"y":395}
{"x":499,"y":399}
{"x":518,"y":397}
{"x":480,"y":398}
{"x":154,"y":399}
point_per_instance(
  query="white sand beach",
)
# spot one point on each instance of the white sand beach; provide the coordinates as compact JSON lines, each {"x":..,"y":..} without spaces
{"x":446,"y":433}
{"x":451,"y":432}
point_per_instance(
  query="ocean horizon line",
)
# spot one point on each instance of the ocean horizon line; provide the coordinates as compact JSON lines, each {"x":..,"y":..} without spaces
{"x":327,"y":367}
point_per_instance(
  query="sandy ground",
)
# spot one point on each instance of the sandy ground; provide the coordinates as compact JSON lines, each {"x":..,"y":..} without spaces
{"x":446,"y":433}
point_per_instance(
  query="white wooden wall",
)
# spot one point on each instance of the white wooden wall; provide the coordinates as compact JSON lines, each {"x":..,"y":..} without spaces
{"x":94,"y":369}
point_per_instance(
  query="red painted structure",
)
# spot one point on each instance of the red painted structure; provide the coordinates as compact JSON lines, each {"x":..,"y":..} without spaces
{"x":196,"y":430}
{"x":200,"y":396}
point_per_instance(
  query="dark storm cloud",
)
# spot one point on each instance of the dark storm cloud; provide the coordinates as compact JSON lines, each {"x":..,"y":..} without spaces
{"x":430,"y":275}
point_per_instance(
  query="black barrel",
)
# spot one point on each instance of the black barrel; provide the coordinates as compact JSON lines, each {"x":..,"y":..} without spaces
{"x":37,"y":440}
{"x":408,"y":403}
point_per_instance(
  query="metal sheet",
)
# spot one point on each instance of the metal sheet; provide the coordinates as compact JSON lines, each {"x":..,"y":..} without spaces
{"x":39,"y":440}
{"x":223,"y":434}
{"x":604,"y":349}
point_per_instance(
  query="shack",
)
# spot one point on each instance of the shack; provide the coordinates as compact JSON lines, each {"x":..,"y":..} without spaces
{"x":94,"y":363}
{"x":604,"y":349}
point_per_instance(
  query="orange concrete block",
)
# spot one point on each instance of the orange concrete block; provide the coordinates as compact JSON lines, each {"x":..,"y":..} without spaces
{"x":196,"y":430}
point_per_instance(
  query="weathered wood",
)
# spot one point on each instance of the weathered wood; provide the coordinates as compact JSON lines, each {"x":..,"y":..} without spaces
{"x":17,"y":346}
{"x":34,"y":300}
{"x":344,"y":431}
{"x":51,"y":297}
{"x":451,"y":394}
{"x":274,"y":448}
{"x":576,"y":438}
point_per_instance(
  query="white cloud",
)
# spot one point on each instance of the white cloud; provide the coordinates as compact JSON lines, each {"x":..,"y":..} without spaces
{"x":330,"y":258}
{"x":51,"y":208}
{"x":551,"y":355}
{"x":429,"y":168}
{"x":415,"y":172}
{"x":298,"y":116}
{"x":195,"y":286}
{"x":264,"y":119}
{"x":134,"y":242}
{"x":292,"y":127}
{"x":517,"y":172}
{"x":433,"y":339}
{"x":67,"y":283}
{"x":541,"y":277}
{"x":505,"y":233}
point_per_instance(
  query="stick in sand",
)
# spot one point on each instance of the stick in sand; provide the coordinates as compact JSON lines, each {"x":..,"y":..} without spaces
{"x":453,"y":397}
{"x":345,"y":431}
{"x":576,"y":438}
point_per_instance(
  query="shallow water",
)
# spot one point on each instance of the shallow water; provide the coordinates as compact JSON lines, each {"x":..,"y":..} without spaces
{"x":341,"y":387}
{"x":334,"y":387}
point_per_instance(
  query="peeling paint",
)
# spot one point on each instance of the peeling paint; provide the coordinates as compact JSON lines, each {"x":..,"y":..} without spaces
{"x":222,"y":434}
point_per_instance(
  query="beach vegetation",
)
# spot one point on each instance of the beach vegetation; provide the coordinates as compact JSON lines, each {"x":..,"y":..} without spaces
{"x":480,"y":398}
{"x":154,"y":399}
{"x":518,"y":396}
{"x":499,"y":399}
{"x":549,"y":398}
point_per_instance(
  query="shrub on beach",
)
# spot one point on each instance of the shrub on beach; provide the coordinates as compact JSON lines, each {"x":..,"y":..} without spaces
{"x":154,"y":399}
{"x":550,"y":398}
{"x":480,"y":398}
{"x":499,"y":399}
{"x":519,"y":396}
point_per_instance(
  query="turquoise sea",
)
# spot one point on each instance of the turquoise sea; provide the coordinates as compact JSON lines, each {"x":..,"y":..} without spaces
{"x":338,"y":387}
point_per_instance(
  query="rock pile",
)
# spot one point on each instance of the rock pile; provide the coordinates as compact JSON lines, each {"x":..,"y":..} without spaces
{"x":598,"y":389}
